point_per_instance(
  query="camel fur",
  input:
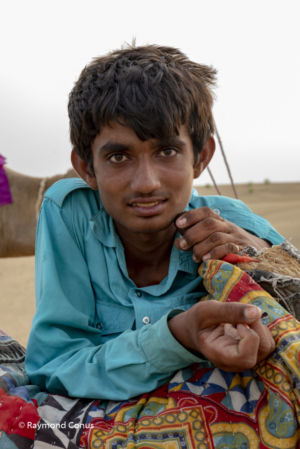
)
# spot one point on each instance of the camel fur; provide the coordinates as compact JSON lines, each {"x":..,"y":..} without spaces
{"x":18,"y":219}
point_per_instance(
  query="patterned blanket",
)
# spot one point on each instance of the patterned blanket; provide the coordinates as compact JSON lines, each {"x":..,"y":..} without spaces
{"x":200,"y":407}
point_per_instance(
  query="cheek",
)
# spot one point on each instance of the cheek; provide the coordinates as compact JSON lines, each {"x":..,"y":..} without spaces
{"x":183,"y":179}
{"x":111,"y":201}
{"x":109,"y":191}
{"x":182,"y":187}
{"x":108,"y":181}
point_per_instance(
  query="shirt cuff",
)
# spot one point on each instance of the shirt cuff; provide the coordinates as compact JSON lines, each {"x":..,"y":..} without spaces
{"x":163,"y":350}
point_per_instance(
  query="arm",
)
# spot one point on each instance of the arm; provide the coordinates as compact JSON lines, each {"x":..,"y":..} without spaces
{"x":65,"y":353}
{"x":212,"y":236}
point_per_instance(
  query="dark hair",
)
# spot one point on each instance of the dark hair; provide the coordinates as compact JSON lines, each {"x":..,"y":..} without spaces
{"x":152,"y":89}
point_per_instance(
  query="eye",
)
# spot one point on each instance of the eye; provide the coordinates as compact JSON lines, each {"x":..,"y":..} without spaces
{"x":168,"y":152}
{"x":117,"y":158}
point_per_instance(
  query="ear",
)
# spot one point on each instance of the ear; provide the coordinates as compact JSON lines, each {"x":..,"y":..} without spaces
{"x":204,"y":156}
{"x":83,"y":170}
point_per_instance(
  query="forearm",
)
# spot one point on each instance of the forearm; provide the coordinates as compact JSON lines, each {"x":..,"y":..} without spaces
{"x":133,"y":363}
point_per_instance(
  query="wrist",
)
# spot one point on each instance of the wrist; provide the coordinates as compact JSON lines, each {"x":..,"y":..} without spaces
{"x":180,"y":330}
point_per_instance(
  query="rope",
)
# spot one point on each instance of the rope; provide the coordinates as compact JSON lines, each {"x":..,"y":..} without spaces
{"x":213,"y":180}
{"x":226,"y":163}
{"x":40,"y":195}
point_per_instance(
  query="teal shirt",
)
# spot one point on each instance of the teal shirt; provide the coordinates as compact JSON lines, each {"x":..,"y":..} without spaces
{"x":95,"y":334}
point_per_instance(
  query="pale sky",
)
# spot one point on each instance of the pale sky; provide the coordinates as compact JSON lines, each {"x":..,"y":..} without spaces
{"x":254,"y":45}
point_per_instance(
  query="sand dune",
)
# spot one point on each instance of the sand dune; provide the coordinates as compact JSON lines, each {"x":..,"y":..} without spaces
{"x":279,"y":203}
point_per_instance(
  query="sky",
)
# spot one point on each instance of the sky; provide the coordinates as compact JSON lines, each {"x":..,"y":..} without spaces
{"x":254,"y":45}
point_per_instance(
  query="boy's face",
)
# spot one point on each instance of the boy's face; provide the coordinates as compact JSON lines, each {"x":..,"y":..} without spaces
{"x":143,"y":184}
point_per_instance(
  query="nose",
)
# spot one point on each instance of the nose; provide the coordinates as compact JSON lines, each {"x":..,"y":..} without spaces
{"x":146,"y":178}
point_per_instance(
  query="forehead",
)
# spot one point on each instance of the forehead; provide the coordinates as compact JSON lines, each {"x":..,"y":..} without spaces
{"x":117,"y":133}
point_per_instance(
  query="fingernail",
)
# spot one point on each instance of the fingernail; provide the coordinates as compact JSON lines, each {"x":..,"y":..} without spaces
{"x":182,"y":244}
{"x":252,"y":313}
{"x":206,"y":257}
{"x":181,"y":221}
{"x":195,"y":258}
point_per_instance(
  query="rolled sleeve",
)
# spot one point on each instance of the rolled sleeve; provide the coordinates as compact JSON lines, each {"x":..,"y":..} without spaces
{"x":163,"y":350}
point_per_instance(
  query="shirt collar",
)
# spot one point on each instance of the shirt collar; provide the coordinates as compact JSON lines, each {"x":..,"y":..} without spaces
{"x":104,"y":230}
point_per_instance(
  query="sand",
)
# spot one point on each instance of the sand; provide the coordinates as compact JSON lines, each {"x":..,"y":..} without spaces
{"x":17,"y":296}
{"x":279,"y":203}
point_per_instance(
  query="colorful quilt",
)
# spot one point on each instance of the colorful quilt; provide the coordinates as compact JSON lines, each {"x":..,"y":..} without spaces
{"x":201,"y":406}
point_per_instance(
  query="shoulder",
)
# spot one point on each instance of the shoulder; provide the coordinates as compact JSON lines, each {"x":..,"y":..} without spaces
{"x":72,"y":199}
{"x":68,"y":207}
{"x":224,"y":204}
{"x":65,"y":188}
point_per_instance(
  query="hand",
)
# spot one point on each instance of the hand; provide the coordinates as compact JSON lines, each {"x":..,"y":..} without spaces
{"x":230,"y":335}
{"x":211,"y":236}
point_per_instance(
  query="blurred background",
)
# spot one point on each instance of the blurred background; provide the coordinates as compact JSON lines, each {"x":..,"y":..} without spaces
{"x":254,"y":45}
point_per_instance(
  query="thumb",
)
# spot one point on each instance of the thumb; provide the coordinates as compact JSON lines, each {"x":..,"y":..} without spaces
{"x":212,"y":313}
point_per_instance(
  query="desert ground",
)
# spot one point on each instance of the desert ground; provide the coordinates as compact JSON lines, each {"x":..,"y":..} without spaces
{"x":279,"y":203}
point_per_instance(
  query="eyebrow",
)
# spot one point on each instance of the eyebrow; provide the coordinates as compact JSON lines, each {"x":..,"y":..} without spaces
{"x":175,"y":140}
{"x":118,"y":146}
{"x":113,"y":146}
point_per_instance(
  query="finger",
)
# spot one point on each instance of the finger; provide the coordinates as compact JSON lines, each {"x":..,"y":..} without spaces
{"x":230,"y":353}
{"x":266,"y":341}
{"x":208,"y":233}
{"x":212,"y":313}
{"x":231,"y":331}
{"x":213,"y":333}
{"x":248,"y":345}
{"x":189,"y":218}
{"x":217,"y":252}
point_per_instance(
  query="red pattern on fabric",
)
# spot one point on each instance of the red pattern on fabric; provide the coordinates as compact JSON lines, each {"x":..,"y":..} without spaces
{"x":18,"y":416}
{"x":243,"y":287}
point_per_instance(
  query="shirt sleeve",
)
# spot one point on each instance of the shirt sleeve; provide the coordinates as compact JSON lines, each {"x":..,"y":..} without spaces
{"x":64,"y":354}
{"x":239,"y":213}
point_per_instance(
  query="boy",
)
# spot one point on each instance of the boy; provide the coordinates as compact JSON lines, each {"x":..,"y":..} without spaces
{"x":118,"y":291}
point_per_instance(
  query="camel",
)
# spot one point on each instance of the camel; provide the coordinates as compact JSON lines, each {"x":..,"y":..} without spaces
{"x":18,"y":219}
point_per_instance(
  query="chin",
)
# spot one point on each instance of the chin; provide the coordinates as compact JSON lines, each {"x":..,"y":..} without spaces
{"x":150,"y":226}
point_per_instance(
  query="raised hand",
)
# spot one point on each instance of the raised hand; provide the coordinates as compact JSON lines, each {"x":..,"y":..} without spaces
{"x":211,"y":236}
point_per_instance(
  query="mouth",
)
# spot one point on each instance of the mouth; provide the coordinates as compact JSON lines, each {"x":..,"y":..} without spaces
{"x":153,"y":203}
{"x":144,"y":208}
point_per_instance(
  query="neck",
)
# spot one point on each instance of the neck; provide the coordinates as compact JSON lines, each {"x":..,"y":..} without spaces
{"x":148,"y":255}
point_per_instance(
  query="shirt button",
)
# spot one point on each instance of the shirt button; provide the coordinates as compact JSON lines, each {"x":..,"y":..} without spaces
{"x":146,"y":320}
{"x":138,"y":293}
{"x":99,"y":326}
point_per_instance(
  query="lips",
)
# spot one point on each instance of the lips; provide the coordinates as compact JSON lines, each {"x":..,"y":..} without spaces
{"x":153,"y":203}
{"x":148,"y":208}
